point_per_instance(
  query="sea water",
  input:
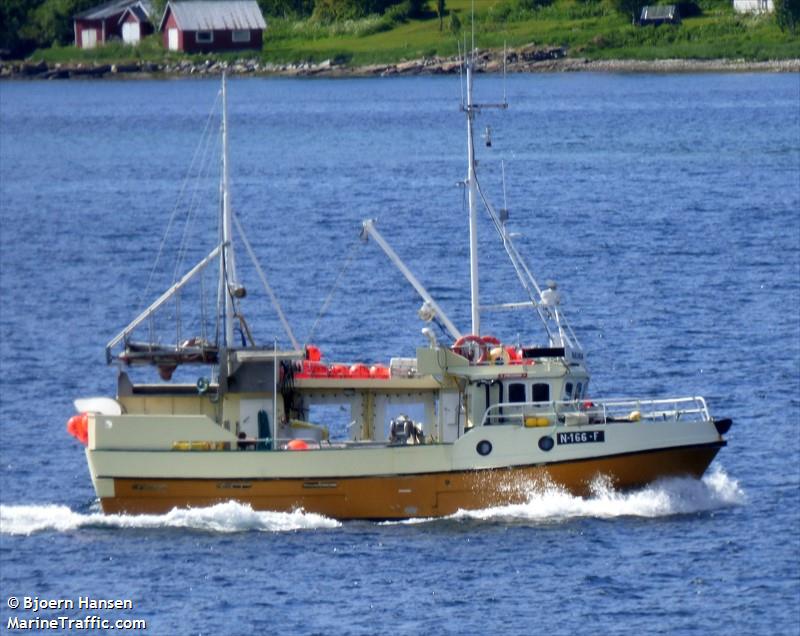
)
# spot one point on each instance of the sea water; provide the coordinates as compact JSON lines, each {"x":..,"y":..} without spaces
{"x":665,"y":207}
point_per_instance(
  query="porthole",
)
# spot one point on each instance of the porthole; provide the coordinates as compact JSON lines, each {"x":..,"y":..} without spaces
{"x":546,"y":443}
{"x":484,"y":447}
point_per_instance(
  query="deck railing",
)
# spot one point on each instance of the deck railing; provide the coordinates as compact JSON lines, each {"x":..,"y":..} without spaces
{"x":585,"y":412}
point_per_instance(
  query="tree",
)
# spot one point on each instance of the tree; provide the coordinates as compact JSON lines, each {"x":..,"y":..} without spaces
{"x":158,"y":8}
{"x":287,"y":8}
{"x":629,"y":7}
{"x":13,"y":17}
{"x":787,"y":14}
{"x":455,"y":23}
{"x":440,"y":12}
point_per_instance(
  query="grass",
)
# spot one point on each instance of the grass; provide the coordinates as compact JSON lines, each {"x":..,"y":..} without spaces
{"x":589,"y":28}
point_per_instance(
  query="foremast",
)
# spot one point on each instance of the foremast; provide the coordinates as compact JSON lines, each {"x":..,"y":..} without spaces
{"x":227,"y":278}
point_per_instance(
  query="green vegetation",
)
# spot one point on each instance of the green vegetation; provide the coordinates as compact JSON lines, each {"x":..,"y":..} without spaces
{"x":787,"y":15}
{"x":595,"y":29}
{"x":363,"y":32}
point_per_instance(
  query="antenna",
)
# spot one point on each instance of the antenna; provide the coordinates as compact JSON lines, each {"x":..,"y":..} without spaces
{"x":461,"y":73}
{"x":505,"y":57}
{"x":504,"y":210}
{"x":473,"y":28}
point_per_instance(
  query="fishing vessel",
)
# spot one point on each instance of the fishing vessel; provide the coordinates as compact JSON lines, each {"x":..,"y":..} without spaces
{"x":467,"y":421}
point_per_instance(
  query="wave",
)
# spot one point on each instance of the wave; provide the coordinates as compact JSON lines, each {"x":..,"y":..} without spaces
{"x":225,"y":518}
{"x":663,"y":498}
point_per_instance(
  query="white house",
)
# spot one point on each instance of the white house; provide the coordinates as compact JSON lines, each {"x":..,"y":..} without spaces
{"x":753,"y":6}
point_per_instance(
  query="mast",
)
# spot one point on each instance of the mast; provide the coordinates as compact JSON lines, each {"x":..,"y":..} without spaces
{"x":472,"y":194}
{"x":228,"y":261}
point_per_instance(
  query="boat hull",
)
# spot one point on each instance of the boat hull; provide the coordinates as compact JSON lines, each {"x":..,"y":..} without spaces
{"x":407,"y":496}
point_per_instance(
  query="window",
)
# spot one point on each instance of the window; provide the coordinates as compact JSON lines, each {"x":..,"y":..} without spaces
{"x":204,"y":37}
{"x":541,"y":393}
{"x":516,"y":392}
{"x":568,"y":391}
{"x":241,"y":36}
{"x":579,"y":391}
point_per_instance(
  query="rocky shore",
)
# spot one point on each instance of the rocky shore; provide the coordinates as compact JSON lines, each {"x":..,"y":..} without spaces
{"x":529,"y":59}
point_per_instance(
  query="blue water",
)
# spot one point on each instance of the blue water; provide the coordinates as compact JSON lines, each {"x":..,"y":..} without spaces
{"x":666,"y":207}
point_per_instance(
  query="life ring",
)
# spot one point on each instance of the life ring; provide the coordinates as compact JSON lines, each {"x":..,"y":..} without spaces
{"x":471,"y":347}
{"x":491,"y":341}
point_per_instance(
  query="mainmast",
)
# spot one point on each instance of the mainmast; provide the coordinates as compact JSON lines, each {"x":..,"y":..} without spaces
{"x":228,"y":260}
{"x":472,"y":194}
{"x":471,"y":108}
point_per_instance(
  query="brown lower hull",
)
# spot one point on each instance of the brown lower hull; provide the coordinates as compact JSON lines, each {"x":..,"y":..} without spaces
{"x":399,"y":497}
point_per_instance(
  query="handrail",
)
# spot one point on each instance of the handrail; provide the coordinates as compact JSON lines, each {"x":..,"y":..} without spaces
{"x":598,"y":411}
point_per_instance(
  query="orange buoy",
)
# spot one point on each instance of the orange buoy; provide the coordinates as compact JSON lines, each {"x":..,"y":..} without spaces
{"x":380,"y":372}
{"x":339,"y":371}
{"x":313,"y":369}
{"x":78,"y":427}
{"x":297,"y":445}
{"x":359,"y":371}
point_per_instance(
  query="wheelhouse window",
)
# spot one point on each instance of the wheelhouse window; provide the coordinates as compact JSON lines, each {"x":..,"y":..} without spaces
{"x":516,"y":392}
{"x":568,"y":391}
{"x":579,"y":391}
{"x":204,"y":37}
{"x":241,"y":35}
{"x":541,"y":392}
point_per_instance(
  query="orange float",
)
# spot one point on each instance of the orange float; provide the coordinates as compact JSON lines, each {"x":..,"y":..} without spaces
{"x":359,"y":371}
{"x":380,"y":372}
{"x":78,"y":427}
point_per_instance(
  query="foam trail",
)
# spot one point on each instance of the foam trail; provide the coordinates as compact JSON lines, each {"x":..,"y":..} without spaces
{"x":225,"y":517}
{"x":663,"y":498}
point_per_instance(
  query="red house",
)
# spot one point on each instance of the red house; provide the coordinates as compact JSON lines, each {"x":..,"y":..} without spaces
{"x":127,"y":20}
{"x":202,"y":26}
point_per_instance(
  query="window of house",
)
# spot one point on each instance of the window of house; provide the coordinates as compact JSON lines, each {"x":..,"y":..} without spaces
{"x":204,"y":37}
{"x":516,"y":392}
{"x":242,"y":35}
{"x":541,"y":392}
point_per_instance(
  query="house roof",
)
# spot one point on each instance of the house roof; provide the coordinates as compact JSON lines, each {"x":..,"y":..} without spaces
{"x":219,"y":15}
{"x":136,"y":11}
{"x":659,"y":12}
{"x":112,"y":8}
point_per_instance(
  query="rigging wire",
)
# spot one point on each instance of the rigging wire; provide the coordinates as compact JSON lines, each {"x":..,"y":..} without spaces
{"x":516,"y":260}
{"x":273,"y":298}
{"x":201,"y":177}
{"x":176,"y":207}
{"x":347,"y":260}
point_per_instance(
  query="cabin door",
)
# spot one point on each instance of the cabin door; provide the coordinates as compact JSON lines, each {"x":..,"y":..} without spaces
{"x":130,"y":32}
{"x":248,"y":416}
{"x":172,"y":36}
{"x":88,"y":38}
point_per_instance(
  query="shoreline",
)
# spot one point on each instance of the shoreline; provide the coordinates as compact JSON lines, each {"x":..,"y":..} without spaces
{"x":529,"y":59}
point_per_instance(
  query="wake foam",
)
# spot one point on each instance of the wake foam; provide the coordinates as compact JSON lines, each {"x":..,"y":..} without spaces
{"x":225,"y":517}
{"x":664,"y":498}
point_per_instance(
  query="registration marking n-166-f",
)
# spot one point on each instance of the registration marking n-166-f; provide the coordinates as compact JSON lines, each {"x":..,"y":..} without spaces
{"x":581,"y":437}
